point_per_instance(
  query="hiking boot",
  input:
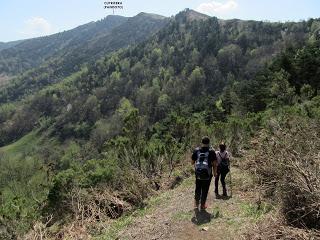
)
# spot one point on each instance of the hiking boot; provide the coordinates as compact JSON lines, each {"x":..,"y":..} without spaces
{"x":204,"y":206}
{"x":217,"y":194}
{"x":196,"y":204}
{"x":225,"y":193}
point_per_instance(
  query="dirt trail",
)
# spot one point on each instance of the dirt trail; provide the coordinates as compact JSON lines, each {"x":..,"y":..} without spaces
{"x":173,"y":216}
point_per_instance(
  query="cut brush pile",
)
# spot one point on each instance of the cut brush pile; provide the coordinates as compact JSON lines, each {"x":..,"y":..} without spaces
{"x":286,"y":160}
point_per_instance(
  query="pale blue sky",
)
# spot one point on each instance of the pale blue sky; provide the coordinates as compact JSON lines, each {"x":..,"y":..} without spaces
{"x":21,"y":19}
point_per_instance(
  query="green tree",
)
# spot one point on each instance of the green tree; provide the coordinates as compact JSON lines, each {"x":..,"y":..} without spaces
{"x":197,"y":81}
{"x":230,"y":58}
{"x":281,"y":91}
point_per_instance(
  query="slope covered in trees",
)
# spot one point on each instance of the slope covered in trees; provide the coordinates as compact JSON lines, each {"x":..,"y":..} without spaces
{"x":187,"y":63}
{"x":53,"y":57}
{"x":120,"y":123}
{"x":4,"y":45}
{"x":32,"y":52}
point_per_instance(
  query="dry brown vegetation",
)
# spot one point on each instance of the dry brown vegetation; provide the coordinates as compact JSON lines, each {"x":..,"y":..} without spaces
{"x":274,"y":227}
{"x":286,"y":161}
{"x":92,"y":210}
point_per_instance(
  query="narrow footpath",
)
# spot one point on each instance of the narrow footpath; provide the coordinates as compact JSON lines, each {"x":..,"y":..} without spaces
{"x":172,"y":216}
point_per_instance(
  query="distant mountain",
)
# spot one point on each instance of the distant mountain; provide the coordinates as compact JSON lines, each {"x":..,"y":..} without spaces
{"x":93,"y":40}
{"x":130,"y":32}
{"x":5,"y":45}
{"x":53,"y":57}
{"x":30,"y":53}
{"x":2,"y":45}
{"x":190,"y":15}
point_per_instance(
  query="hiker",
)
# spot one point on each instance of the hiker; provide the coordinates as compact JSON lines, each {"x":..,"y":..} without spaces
{"x":223,"y":161}
{"x":204,"y":161}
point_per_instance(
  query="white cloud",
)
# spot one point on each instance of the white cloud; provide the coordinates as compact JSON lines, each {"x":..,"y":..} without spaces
{"x":37,"y":26}
{"x":217,"y":8}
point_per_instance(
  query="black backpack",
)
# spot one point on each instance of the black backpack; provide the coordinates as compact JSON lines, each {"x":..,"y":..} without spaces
{"x":224,"y":164}
{"x":202,"y":167}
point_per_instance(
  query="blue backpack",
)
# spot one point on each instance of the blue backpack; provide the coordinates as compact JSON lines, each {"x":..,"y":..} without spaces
{"x":203,"y":169}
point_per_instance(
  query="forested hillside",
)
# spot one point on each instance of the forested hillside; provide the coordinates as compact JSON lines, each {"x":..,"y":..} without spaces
{"x":53,"y":57}
{"x":32,"y":52}
{"x":4,"y":45}
{"x":104,"y":136}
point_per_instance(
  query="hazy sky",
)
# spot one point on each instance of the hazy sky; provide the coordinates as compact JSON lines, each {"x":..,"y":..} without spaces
{"x":20,"y":19}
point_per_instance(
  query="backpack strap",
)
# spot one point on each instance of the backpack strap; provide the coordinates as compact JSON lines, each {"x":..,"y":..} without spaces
{"x":225,"y":156}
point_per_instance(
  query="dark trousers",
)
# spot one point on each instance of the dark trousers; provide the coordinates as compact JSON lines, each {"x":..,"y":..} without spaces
{"x":202,"y":189}
{"x":222,"y":176}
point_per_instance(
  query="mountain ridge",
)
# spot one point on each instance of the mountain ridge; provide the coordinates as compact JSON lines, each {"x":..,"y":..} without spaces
{"x":195,"y":15}
{"x":47,"y":46}
{"x":78,"y":46}
{"x":33,"y":52}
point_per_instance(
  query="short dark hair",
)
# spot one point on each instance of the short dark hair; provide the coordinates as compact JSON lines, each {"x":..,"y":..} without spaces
{"x":205,"y":140}
{"x":222,"y":146}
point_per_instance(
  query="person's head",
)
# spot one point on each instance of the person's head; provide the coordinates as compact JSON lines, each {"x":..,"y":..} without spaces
{"x":222,"y":146}
{"x":205,"y":141}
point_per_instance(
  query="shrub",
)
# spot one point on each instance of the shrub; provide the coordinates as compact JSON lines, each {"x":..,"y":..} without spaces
{"x":287,"y":162}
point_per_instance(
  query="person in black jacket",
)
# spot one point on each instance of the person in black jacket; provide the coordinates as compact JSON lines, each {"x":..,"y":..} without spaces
{"x":204,"y":161}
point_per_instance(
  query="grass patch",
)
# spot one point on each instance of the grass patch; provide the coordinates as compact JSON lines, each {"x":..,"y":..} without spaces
{"x":23,"y":145}
{"x":156,"y":200}
{"x":188,"y":182}
{"x":256,"y":211}
{"x":125,"y":221}
{"x":242,"y":179}
{"x":181,"y":216}
{"x":116,"y":227}
{"x":235,"y":223}
{"x":216,"y":212}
